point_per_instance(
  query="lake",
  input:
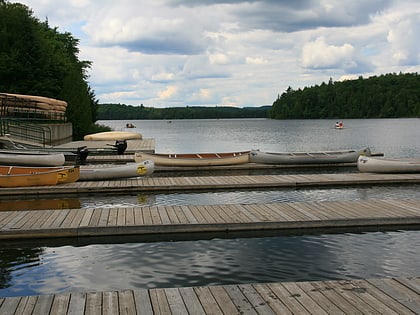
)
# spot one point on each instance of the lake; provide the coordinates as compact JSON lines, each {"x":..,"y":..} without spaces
{"x":43,"y":267}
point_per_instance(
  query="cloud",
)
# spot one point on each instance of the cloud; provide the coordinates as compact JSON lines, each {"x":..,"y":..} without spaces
{"x":230,"y":52}
{"x":169,"y":92}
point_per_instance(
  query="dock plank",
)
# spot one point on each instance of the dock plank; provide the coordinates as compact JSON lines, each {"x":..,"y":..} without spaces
{"x":361,"y":296}
{"x":223,"y":182}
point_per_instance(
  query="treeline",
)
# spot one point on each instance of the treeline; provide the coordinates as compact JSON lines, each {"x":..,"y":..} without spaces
{"x":36,"y":59}
{"x":385,"y":96}
{"x":130,"y":112}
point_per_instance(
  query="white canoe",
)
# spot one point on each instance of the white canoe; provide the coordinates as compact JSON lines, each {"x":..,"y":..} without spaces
{"x":142,"y":168}
{"x":113,"y":135}
{"x":367,"y":164}
{"x":322,"y":157}
{"x":31,"y":158}
{"x":195,"y":159}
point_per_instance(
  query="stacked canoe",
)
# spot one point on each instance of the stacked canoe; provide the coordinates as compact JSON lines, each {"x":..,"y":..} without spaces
{"x":13,"y":104}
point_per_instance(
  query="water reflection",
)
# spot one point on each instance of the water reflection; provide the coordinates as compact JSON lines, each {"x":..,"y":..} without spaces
{"x":209,"y":262}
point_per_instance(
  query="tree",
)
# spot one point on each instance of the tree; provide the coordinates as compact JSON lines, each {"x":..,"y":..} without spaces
{"x":36,"y":59}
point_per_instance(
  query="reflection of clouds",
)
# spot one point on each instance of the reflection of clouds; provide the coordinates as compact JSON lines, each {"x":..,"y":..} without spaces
{"x":220,"y":261}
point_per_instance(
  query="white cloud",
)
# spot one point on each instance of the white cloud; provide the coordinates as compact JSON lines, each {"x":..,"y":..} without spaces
{"x":319,"y":54}
{"x":241,"y":53}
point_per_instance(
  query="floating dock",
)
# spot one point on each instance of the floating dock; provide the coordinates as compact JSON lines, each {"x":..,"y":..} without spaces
{"x":372,"y":296}
{"x":194,"y":183}
{"x":170,"y":220}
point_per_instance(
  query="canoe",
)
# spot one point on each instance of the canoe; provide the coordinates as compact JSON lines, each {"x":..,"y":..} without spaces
{"x":321,"y":157}
{"x":369,"y":164}
{"x":195,"y":159}
{"x":142,"y":168}
{"x":64,"y":174}
{"x":15,"y":176}
{"x":31,"y":157}
{"x":113,"y":135}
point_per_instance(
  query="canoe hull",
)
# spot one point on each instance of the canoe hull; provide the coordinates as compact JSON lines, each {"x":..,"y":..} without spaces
{"x":380,"y":165}
{"x":322,"y":157}
{"x":143,"y":168}
{"x":21,"y":176}
{"x":34,"y":158}
{"x":195,"y":159}
{"x":113,"y":135}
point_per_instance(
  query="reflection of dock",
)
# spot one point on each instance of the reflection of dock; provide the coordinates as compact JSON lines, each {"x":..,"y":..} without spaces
{"x":375,"y":296}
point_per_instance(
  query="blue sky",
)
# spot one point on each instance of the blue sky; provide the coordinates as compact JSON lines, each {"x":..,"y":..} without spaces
{"x":167,"y":53}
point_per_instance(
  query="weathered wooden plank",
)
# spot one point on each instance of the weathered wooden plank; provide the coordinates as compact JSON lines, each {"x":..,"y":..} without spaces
{"x":142,"y":302}
{"x":304,"y":298}
{"x":10,"y":305}
{"x":77,"y":303}
{"x":110,"y":303}
{"x":399,"y":292}
{"x":126,"y":303}
{"x":223,"y":300}
{"x":159,"y":302}
{"x":175,"y":301}
{"x":207,"y":300}
{"x":191,"y":301}
{"x":254,"y":298}
{"x":271,"y":299}
{"x":93,"y":304}
{"x":60,"y":304}
{"x":239,"y":299}
{"x":43,"y":305}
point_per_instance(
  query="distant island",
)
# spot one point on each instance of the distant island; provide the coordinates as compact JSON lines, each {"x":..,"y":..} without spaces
{"x":130,"y":112}
{"x":385,"y":96}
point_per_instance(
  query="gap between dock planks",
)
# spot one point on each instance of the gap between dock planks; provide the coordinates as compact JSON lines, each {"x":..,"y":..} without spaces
{"x":165,"y":184}
{"x":162,"y":220}
{"x":368,"y":296}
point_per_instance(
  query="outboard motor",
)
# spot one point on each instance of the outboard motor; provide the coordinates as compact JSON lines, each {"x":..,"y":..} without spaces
{"x":82,"y":154}
{"x":121,"y":146}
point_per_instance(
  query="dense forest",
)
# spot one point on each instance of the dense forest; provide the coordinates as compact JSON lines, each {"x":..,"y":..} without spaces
{"x":385,"y":96}
{"x":36,"y":59}
{"x":122,"y":111}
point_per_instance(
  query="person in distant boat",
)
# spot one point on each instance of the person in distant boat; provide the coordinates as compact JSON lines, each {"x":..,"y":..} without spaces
{"x":337,"y":124}
{"x":340,"y":124}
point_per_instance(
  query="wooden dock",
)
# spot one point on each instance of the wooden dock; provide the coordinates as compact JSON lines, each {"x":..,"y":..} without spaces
{"x":182,"y":183}
{"x":164,"y":220}
{"x":372,"y":296}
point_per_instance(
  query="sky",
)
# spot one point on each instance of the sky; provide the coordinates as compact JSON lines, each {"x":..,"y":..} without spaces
{"x":171,"y":53}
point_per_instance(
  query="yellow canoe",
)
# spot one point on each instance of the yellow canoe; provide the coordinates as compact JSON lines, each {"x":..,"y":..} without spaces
{"x":19,"y":176}
{"x":113,"y":135}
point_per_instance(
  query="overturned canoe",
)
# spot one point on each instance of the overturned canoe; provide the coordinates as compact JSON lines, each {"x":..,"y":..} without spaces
{"x":367,"y":164}
{"x":195,"y":159}
{"x":321,"y":157}
{"x":113,"y":135}
{"x":29,"y":157}
{"x":65,"y":174}
{"x":15,"y":176}
{"x":142,"y":168}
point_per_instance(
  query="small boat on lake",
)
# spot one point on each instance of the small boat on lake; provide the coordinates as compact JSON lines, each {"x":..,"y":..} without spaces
{"x":113,"y":136}
{"x":142,"y":168}
{"x":195,"y":159}
{"x":321,"y":157}
{"x":367,"y":164}
{"x":31,"y":157}
{"x":18,"y":176}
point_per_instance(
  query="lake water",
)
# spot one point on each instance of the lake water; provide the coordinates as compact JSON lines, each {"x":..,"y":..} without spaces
{"x":41,"y":267}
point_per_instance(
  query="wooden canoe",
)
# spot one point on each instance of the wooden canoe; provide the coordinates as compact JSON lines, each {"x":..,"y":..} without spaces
{"x":31,"y":157}
{"x":142,"y":168}
{"x":13,"y":176}
{"x":64,"y":174}
{"x":321,"y":157}
{"x":113,"y":135}
{"x":194,"y":159}
{"x":369,"y":164}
